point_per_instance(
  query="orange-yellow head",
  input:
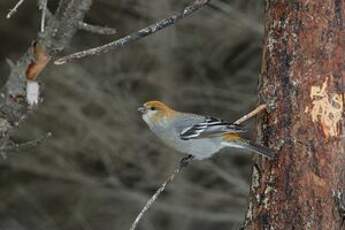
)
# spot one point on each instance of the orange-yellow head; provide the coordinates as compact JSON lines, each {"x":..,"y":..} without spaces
{"x":155,"y":111}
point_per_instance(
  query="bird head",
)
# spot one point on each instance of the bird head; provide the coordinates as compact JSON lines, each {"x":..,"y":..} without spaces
{"x":155,"y":111}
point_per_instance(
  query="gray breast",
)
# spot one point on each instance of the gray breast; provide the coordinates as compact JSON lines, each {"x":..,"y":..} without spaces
{"x":200,"y":148}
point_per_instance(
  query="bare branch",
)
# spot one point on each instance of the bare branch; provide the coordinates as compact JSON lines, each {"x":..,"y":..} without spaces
{"x":43,"y":8}
{"x":154,"y":197}
{"x":96,"y":29}
{"x":183,"y":163}
{"x":58,"y":32}
{"x":14,"y":9}
{"x":246,"y":117}
{"x":153,"y":28}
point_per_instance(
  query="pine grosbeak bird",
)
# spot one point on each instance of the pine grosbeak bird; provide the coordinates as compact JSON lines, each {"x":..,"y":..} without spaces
{"x":198,"y":136}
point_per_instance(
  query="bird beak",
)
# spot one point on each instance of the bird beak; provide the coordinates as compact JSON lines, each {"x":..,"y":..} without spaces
{"x":141,"y":109}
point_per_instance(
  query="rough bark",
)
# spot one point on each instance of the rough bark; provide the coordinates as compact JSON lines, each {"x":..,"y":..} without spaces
{"x":303,"y":82}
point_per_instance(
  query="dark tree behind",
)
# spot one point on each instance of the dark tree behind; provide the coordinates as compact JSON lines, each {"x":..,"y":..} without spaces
{"x":303,"y":81}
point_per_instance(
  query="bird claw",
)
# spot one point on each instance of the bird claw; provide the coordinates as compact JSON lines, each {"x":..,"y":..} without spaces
{"x":185,"y":161}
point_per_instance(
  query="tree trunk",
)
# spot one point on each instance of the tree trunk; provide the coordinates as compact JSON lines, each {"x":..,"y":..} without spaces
{"x":303,"y":82}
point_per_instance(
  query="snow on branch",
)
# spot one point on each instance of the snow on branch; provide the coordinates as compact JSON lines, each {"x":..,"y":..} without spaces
{"x":153,"y":28}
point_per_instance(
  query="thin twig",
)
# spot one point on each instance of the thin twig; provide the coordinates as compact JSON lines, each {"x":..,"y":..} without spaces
{"x":153,"y":28}
{"x":154,"y":197}
{"x":14,"y":9}
{"x":246,"y":117}
{"x":57,"y":35}
{"x":96,"y":29}
{"x":43,"y":8}
{"x":184,"y":163}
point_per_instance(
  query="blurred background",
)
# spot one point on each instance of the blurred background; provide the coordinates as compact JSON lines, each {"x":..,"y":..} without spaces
{"x":102,"y":162}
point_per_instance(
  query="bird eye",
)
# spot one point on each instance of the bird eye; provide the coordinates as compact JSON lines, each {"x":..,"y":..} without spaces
{"x":153,"y":108}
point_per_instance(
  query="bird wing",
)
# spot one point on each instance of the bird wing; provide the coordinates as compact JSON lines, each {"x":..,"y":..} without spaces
{"x":210,"y":127}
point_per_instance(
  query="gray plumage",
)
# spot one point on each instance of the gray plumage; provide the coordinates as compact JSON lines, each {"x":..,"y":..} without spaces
{"x":197,"y":135}
{"x":199,"y":148}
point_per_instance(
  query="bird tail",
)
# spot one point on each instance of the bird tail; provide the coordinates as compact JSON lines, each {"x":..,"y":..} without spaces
{"x":244,"y":144}
{"x":262,"y":150}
